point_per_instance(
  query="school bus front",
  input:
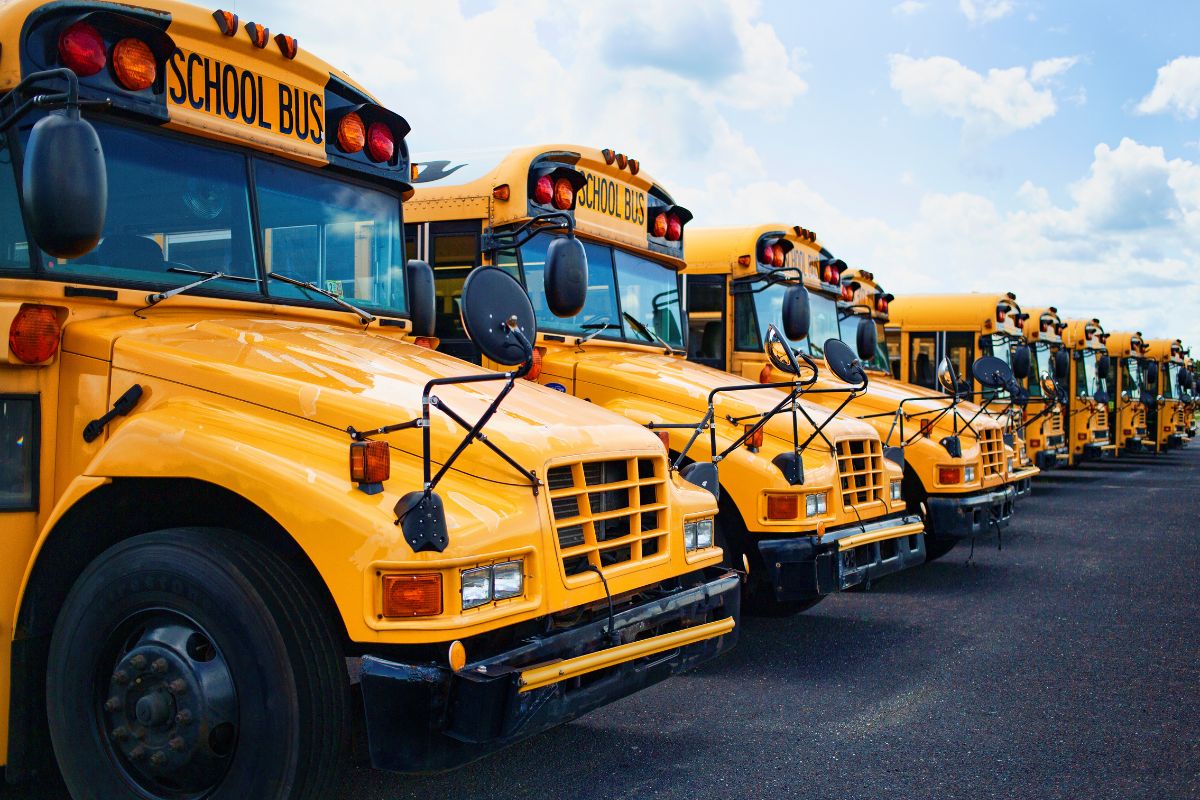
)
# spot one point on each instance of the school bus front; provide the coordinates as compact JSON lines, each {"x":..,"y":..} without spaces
{"x":1130,"y":393}
{"x":809,"y":512}
{"x":1089,"y":433}
{"x":226,"y":469}
{"x":1168,"y":416}
{"x":955,"y":474}
{"x":1044,"y":431}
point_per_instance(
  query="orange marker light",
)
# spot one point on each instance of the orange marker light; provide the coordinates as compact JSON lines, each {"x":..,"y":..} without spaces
{"x":352,"y":134}
{"x":764,"y":374}
{"x":743,"y":261}
{"x":949,"y":475}
{"x":426,"y":341}
{"x":501,"y":192}
{"x":535,"y":368}
{"x":755,"y":439}
{"x":412,"y":595}
{"x":783,"y":506}
{"x":660,"y":226}
{"x":370,"y":462}
{"x":33,"y":334}
{"x":665,"y":438}
{"x":134,"y":65}
{"x":564,"y":194}
{"x":227,"y":21}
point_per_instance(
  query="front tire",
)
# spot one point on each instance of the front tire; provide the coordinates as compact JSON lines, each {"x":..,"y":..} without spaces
{"x":192,"y":662}
{"x":937,"y":546}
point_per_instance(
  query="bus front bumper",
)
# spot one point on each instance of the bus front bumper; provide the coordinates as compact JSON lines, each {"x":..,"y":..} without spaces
{"x":423,"y":718}
{"x":1022,"y":480}
{"x":804,"y":568}
{"x":1176,"y":440}
{"x":1051,"y":458}
{"x":955,"y":517}
{"x":1094,"y":451}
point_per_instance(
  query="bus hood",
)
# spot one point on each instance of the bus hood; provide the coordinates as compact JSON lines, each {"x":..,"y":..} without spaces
{"x":340,"y":377}
{"x":674,"y":380}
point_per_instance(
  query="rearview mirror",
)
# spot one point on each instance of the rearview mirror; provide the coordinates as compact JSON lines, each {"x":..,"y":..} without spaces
{"x":566,"y":276}
{"x":992,"y":373}
{"x":1049,"y":388}
{"x":795,"y":313}
{"x":866,"y":338}
{"x":947,"y":376}
{"x":1062,"y":364}
{"x":842,"y":362}
{"x":779,"y":352}
{"x":1102,"y":365}
{"x":422,"y":297}
{"x":498,"y":316}
{"x":1020,"y":362}
{"x":1151,"y":375}
{"x":65,"y":185}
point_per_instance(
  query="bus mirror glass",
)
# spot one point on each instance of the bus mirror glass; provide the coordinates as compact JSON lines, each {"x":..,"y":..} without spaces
{"x":992,"y":373}
{"x":796,"y":313}
{"x":1062,"y":364}
{"x":866,"y":338}
{"x":422,"y":299}
{"x":1048,"y":386}
{"x":1151,"y":375}
{"x":566,"y":276}
{"x":780,"y":352}
{"x":1124,"y":397}
{"x":498,"y":316}
{"x":65,"y":185}
{"x":842,"y":362}
{"x":1020,"y":362}
{"x":946,"y":375}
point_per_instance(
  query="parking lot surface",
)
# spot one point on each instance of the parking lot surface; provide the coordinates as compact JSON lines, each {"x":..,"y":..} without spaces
{"x":1066,"y":664}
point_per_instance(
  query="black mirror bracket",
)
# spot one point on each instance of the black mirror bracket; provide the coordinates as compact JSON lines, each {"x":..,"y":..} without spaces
{"x":551,"y":221}
{"x":68,"y":100}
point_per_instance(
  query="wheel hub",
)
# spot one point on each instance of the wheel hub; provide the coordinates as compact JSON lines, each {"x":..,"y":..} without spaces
{"x":171,"y":708}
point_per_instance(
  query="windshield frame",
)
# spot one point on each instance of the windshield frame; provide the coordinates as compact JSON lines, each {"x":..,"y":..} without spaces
{"x":261,"y":293}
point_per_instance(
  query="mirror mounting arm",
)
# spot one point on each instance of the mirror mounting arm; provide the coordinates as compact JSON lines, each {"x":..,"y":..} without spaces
{"x":68,"y":99}
{"x":550,"y":221}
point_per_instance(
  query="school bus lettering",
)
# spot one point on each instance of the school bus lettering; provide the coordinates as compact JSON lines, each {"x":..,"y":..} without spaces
{"x":606,"y":196}
{"x":226,"y":90}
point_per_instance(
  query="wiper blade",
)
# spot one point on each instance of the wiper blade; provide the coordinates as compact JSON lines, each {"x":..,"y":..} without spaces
{"x":365,"y":316}
{"x":641,"y":328}
{"x":598,"y":328}
{"x":207,"y":277}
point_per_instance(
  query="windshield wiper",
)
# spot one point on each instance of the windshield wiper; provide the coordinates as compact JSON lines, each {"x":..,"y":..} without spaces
{"x":599,"y":328}
{"x":641,"y":328}
{"x":365,"y":316}
{"x":207,"y":277}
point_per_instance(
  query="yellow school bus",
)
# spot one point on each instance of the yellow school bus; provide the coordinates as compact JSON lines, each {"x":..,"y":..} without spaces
{"x":1167,"y":416}
{"x":809,"y":510}
{"x":972,"y":325}
{"x":953,"y":460}
{"x":1088,"y":431}
{"x":1192,"y":369}
{"x":233,"y":497}
{"x":1044,"y":435}
{"x":1129,"y":394}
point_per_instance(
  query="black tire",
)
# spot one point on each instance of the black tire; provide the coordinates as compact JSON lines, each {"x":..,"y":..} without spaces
{"x":197,"y":604}
{"x":937,"y":546}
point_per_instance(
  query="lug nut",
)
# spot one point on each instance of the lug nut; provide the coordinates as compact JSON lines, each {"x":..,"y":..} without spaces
{"x":138,"y":662}
{"x":159,"y":666}
{"x":177,"y":686}
{"x":112,"y":704}
{"x":184,"y":717}
{"x":138,"y":753}
{"x":176,"y":744}
{"x":121,"y":677}
{"x":121,"y":733}
{"x":158,"y":759}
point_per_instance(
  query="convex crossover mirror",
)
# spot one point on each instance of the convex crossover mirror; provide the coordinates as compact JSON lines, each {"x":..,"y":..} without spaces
{"x":843,"y":363}
{"x":779,"y":352}
{"x":992,"y":373}
{"x":947,"y":376}
{"x":498,"y":316}
{"x":65,"y":185}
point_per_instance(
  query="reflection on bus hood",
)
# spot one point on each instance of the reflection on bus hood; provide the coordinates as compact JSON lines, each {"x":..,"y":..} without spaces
{"x":681,"y":383}
{"x":340,"y":377}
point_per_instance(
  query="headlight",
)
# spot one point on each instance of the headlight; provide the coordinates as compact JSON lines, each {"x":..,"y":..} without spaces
{"x":815,"y":504}
{"x":1024,"y":456}
{"x":482,"y":585}
{"x":698,"y":534}
{"x":895,"y":490}
{"x":968,"y":474}
{"x":476,"y":587}
{"x":1010,"y":465}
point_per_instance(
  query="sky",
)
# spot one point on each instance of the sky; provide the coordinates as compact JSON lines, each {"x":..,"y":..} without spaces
{"x":1051,"y":149}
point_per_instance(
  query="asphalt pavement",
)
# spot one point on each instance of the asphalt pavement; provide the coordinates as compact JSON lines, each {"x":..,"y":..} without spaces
{"x":1065,"y":665}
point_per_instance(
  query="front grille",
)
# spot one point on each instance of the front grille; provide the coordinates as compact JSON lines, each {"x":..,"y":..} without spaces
{"x":609,"y":513}
{"x":1055,"y":441}
{"x":991,"y":450}
{"x":1102,"y":418}
{"x":1054,"y":426}
{"x":860,"y":471}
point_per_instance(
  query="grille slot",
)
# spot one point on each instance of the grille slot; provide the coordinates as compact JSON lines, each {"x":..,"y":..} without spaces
{"x":609,"y":513}
{"x":860,"y":471}
{"x":991,"y":449}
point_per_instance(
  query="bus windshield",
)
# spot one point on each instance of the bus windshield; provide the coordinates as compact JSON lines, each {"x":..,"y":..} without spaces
{"x":1171,"y":384}
{"x":1088,"y":380}
{"x":998,"y":345}
{"x":1039,"y":353}
{"x":179,"y":209}
{"x":1133,"y":376}
{"x":629,"y":297}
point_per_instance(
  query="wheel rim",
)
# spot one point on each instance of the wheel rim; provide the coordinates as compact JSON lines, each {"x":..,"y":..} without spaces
{"x":167,"y":706}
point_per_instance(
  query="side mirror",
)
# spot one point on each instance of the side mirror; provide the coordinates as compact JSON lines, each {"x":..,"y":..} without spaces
{"x":795,"y":313}
{"x":566,"y":276}
{"x":498,"y":316}
{"x":992,"y":373}
{"x":866,"y":339}
{"x":947,"y":376}
{"x":1049,"y":388}
{"x":1062,"y":365}
{"x":1102,"y":365}
{"x":422,"y":297}
{"x":1020,"y":362}
{"x":1124,"y":397}
{"x":704,"y":475}
{"x":779,"y":352}
{"x":65,"y":185}
{"x":842,"y":362}
{"x":1151,"y":375}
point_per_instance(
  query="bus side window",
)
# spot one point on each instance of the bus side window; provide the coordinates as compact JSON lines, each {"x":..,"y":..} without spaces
{"x":14,"y":248}
{"x":745,"y":324}
{"x":453,"y":253}
{"x":892,"y":339}
{"x":922,"y":359}
{"x":706,"y":319}
{"x":960,"y":349}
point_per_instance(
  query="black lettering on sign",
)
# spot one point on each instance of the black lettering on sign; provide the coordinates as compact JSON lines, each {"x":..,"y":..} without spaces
{"x":194,"y":100}
{"x":606,"y":196}
{"x":178,"y":93}
{"x":230,"y":96}
{"x":316,"y":107}
{"x":262,"y":99}
{"x":248,"y":97}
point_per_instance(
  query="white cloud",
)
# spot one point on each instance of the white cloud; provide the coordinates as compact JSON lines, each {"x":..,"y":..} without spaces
{"x":1177,"y":89}
{"x":984,"y":11}
{"x":1001,"y":101}
{"x":908,"y":8}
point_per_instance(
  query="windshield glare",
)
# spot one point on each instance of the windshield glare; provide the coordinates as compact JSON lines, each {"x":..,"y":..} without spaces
{"x":648,"y":292}
{"x":177,"y":208}
{"x":1089,"y":382}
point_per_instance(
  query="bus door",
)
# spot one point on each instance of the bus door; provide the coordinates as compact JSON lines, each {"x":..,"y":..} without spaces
{"x":926,"y":351}
{"x":452,"y":249}
{"x":706,"y":301}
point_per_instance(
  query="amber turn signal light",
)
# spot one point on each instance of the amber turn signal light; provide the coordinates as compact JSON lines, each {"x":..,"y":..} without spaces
{"x":352,"y":133}
{"x":753,"y":440}
{"x":783,"y":506}
{"x":412,"y":595}
{"x":33,"y":334}
{"x":134,"y":64}
{"x":370,"y":462}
